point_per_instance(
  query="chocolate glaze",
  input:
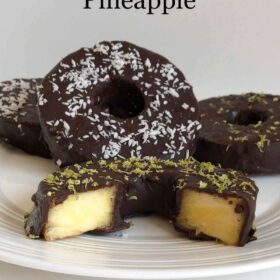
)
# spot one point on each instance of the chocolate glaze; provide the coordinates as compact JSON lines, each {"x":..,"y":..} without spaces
{"x":117,"y":100}
{"x":241,"y":132}
{"x":144,"y":187}
{"x":19,"y":121}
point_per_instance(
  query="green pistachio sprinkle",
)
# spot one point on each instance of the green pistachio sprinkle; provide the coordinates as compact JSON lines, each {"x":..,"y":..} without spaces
{"x":247,"y":185}
{"x":83,"y":177}
{"x":232,"y":129}
{"x":209,"y":167}
{"x":259,"y":124}
{"x":262,"y":143}
{"x":85,"y":182}
{"x":241,"y":139}
{"x":202,"y":185}
{"x":259,"y":98}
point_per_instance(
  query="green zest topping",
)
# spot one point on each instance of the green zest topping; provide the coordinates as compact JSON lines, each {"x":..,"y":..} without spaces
{"x":259,"y":124}
{"x":261,"y":133}
{"x":202,"y":185}
{"x":263,"y":142}
{"x":207,"y":166}
{"x":259,"y":98}
{"x":90,"y":175}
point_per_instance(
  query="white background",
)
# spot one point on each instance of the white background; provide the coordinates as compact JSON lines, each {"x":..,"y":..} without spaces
{"x":223,"y":46}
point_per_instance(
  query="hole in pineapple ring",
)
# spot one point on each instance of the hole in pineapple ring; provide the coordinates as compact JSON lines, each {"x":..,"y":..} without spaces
{"x":121,"y":98}
{"x":247,"y":117}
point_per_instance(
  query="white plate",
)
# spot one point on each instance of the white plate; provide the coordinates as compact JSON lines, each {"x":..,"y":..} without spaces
{"x":151,"y":249}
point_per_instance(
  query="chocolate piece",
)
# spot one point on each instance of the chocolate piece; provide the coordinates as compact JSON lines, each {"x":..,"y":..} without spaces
{"x":117,"y":100}
{"x":19,"y":121}
{"x":199,"y":198}
{"x":241,"y":132}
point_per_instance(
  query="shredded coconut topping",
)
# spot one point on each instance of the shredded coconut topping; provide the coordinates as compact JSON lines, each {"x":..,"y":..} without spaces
{"x":160,"y":82}
{"x":16,"y":96}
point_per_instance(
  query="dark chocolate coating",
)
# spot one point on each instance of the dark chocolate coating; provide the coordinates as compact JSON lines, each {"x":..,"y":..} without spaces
{"x":145,"y":186}
{"x":19,"y":121}
{"x":241,"y":132}
{"x":117,"y":100}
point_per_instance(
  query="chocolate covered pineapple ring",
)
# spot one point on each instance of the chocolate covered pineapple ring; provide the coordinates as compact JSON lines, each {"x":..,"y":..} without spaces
{"x":19,"y":121}
{"x":241,"y":132}
{"x":117,"y":100}
{"x":202,"y":201}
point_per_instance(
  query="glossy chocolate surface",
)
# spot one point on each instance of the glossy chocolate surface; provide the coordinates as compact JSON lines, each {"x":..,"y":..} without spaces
{"x":241,"y":132}
{"x":144,"y":187}
{"x":19,"y":121}
{"x":117,"y":100}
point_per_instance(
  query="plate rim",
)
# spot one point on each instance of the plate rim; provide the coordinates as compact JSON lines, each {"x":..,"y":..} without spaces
{"x":164,"y":274}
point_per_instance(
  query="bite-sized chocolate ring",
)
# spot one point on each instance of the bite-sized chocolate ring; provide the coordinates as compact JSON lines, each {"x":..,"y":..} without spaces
{"x":203,"y":201}
{"x":117,"y":100}
{"x":241,"y":132}
{"x":19,"y":121}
